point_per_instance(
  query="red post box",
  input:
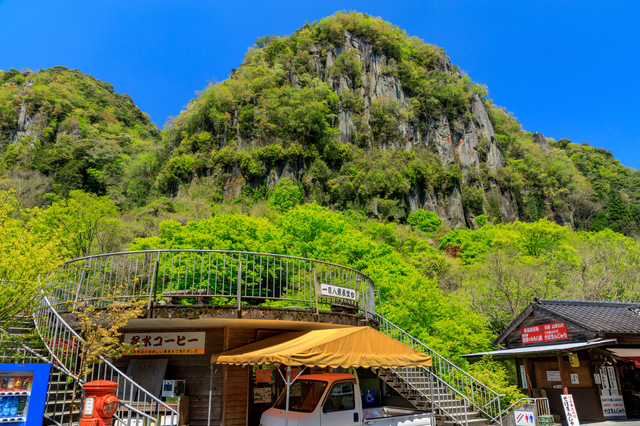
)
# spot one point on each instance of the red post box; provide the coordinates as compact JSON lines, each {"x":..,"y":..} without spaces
{"x":100,"y":403}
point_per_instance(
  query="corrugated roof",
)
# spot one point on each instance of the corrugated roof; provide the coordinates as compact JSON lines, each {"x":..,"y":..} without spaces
{"x":599,"y":317}
{"x":557,"y":348}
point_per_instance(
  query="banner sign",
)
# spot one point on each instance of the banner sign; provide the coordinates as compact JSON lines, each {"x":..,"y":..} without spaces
{"x":613,"y":406}
{"x":544,"y":333}
{"x":178,"y":343}
{"x":570,"y":410}
{"x":329,"y":290}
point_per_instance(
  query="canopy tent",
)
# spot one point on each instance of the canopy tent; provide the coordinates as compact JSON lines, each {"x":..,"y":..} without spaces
{"x":340,"y":347}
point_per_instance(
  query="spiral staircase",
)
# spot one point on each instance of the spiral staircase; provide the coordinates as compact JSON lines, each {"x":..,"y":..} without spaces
{"x":241,"y":278}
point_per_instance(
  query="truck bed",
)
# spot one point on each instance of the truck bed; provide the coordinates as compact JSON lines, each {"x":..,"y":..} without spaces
{"x":394,"y":416}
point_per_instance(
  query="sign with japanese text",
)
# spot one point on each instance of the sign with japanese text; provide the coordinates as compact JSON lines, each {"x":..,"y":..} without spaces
{"x":262,"y":395}
{"x":178,"y":343}
{"x":570,"y":410}
{"x":531,"y":334}
{"x":329,"y":290}
{"x":553,"y":376}
{"x":555,"y":331}
{"x":613,"y":406}
{"x":544,"y":333}
{"x":524,"y":418}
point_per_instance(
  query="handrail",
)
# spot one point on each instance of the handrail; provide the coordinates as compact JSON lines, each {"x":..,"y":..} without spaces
{"x":240,"y":277}
{"x":542,"y":404}
{"x":63,"y":345}
{"x":482,"y":398}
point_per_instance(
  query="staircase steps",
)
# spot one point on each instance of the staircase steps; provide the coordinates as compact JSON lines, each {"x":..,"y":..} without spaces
{"x":415,"y":387}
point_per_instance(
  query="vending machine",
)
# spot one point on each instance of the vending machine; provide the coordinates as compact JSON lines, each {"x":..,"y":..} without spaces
{"x":23,"y":393}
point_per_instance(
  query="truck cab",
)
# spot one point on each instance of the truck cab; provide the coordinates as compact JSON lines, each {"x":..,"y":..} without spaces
{"x":334,"y":399}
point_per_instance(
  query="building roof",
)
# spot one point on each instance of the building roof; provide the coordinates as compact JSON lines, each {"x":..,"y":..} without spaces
{"x":598,"y":318}
{"x":557,"y":348}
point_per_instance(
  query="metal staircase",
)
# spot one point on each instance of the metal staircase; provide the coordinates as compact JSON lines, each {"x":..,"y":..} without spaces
{"x":457,"y":397}
{"x":64,"y":393}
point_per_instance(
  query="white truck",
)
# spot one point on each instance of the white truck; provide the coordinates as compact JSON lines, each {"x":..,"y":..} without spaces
{"x":334,"y":399}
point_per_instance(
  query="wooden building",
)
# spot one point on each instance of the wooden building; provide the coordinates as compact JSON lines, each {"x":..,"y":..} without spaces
{"x":214,"y":330}
{"x":590,"y":350}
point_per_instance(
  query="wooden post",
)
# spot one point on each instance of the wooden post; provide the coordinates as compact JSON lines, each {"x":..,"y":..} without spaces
{"x":565,"y":390}
{"x":528,"y":376}
{"x":225,"y":347}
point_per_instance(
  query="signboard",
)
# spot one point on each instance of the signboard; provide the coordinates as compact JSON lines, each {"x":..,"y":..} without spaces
{"x":553,"y":376}
{"x":524,"y":418}
{"x":555,"y":331}
{"x":575,"y":380}
{"x":523,"y":376}
{"x":613,"y":406}
{"x":531,"y":334}
{"x":570,"y":410}
{"x":329,"y":290}
{"x":178,"y":343}
{"x":611,"y":372}
{"x":262,"y":395}
{"x":544,"y":333}
{"x":263,"y":376}
{"x":596,"y":379}
{"x":369,"y":396}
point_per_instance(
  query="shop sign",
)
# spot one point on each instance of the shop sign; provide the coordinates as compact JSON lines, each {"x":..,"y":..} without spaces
{"x":555,"y":331}
{"x":553,"y":376}
{"x":575,"y":380}
{"x":531,"y":334}
{"x":524,"y":418}
{"x":334,"y":291}
{"x":613,"y":406}
{"x":263,"y":376}
{"x":544,"y":333}
{"x":262,"y":395}
{"x":179,"y":343}
{"x":570,"y":410}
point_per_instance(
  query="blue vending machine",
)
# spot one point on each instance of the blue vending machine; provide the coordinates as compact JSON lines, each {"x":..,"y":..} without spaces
{"x":23,"y":393}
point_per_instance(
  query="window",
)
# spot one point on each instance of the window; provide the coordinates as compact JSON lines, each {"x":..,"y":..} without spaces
{"x":341,"y":397}
{"x":304,"y":395}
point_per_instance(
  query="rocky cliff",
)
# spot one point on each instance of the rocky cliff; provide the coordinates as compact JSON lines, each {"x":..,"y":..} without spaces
{"x":388,"y":92}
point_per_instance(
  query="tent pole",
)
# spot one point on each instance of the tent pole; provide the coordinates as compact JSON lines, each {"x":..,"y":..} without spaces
{"x":286,"y":413}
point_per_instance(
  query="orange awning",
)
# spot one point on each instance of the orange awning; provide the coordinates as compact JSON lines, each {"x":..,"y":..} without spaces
{"x":340,"y":347}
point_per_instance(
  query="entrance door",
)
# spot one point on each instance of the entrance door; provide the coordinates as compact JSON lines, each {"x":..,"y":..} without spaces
{"x":341,"y":405}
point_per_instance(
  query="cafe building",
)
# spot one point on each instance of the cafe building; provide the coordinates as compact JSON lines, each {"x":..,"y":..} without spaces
{"x":590,"y":350}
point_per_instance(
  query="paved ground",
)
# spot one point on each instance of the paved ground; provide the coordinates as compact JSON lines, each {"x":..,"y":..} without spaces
{"x":633,"y":422}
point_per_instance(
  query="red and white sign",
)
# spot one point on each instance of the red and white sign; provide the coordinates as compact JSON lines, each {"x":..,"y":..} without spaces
{"x":532,"y":334}
{"x":570,"y":410}
{"x":544,"y":333}
{"x":178,"y":343}
{"x":555,"y":331}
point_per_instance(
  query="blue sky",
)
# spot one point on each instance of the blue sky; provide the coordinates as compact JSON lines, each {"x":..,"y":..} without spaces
{"x":564,"y":68}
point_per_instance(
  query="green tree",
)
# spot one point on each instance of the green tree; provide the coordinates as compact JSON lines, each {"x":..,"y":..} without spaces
{"x":424,"y":220}
{"x":286,"y":195}
{"x":81,"y":219}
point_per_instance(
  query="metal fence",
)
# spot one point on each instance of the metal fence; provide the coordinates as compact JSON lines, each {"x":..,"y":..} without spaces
{"x":210,"y":277}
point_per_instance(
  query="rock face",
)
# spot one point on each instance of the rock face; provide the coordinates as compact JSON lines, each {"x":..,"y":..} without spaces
{"x":541,"y":141}
{"x":468,"y":141}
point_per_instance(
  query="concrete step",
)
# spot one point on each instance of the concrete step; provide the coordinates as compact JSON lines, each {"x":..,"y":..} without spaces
{"x":469,"y":422}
